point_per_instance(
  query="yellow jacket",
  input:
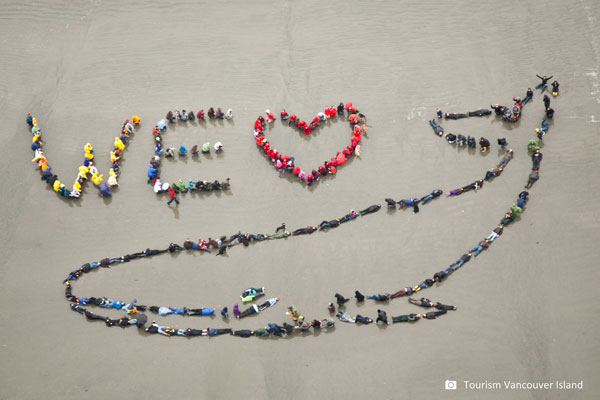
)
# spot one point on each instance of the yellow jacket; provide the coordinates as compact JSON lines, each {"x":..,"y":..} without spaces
{"x":119,"y":144}
{"x":97,"y":179}
{"x":114,"y":157}
{"x":83,"y":171}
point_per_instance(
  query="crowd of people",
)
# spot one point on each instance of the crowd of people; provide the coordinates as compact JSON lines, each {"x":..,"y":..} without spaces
{"x":88,"y":169}
{"x":139,"y":319}
{"x":181,"y":186}
{"x":286,"y":163}
{"x":135,"y":313}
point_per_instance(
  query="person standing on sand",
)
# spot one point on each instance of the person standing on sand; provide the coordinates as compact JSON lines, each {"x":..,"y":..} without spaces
{"x":172,"y":196}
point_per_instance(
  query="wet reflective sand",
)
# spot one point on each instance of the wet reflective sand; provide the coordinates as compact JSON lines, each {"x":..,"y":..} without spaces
{"x":526,"y":307}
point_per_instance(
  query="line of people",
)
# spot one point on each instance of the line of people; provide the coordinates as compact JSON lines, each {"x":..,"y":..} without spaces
{"x":462,"y":140}
{"x":133,"y":307}
{"x":413,"y":201}
{"x":286,"y":163}
{"x":183,"y":115}
{"x":533,"y":146}
{"x":88,"y":165}
{"x":140,"y":320}
{"x":514,"y":212}
{"x":536,"y":158}
{"x":382,"y":318}
{"x":489,"y":175}
{"x":224,"y":242}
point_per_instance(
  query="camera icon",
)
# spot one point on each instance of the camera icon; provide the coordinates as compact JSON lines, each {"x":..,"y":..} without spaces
{"x":450,"y":385}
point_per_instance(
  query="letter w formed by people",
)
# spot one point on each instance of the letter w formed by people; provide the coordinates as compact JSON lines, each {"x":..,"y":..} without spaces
{"x":87,"y":170}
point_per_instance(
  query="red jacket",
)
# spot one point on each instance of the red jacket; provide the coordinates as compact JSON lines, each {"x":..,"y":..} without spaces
{"x":171,"y":193}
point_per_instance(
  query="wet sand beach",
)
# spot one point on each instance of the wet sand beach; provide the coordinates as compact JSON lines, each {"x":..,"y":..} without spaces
{"x":526,"y":307}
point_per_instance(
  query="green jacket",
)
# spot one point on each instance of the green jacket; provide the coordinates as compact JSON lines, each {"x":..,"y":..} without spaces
{"x":516,"y":210}
{"x":279,"y":235}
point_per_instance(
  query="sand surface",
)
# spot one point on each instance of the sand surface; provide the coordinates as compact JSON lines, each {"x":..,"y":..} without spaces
{"x":527,"y":307}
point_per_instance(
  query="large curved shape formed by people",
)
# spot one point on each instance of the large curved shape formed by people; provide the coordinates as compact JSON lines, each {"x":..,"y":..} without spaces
{"x":136,"y":312}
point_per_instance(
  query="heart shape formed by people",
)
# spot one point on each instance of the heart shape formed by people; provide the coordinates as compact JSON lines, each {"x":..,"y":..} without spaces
{"x":286,"y":163}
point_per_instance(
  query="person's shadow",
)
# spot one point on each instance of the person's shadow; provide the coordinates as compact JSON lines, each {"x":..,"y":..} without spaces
{"x":175,"y":210}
